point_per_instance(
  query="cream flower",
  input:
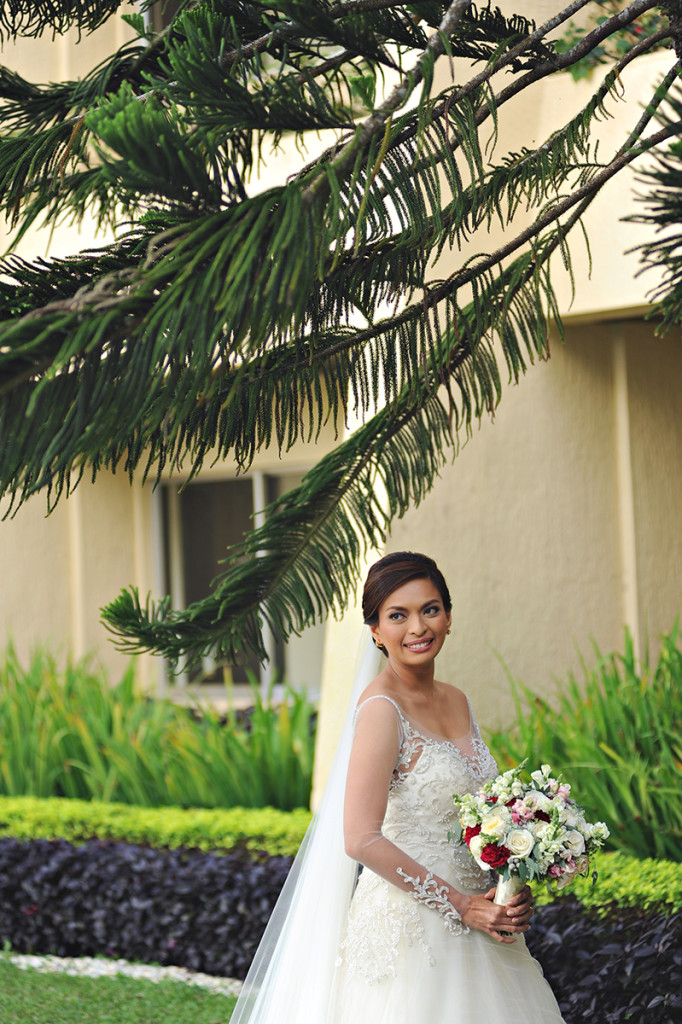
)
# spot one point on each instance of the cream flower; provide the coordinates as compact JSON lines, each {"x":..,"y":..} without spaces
{"x":575,"y":843}
{"x":495,"y":823}
{"x":475,"y":849}
{"x":534,"y":798}
{"x":568,"y":816}
{"x":520,"y":841}
{"x":582,"y":864}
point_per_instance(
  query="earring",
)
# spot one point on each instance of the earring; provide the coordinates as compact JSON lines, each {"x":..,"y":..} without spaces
{"x":378,"y":643}
{"x":448,"y":632}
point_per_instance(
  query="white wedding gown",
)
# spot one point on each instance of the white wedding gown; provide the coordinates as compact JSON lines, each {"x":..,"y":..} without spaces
{"x":398,"y":962}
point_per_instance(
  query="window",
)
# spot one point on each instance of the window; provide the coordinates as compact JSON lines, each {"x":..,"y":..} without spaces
{"x":160,"y":14}
{"x":198,"y":524}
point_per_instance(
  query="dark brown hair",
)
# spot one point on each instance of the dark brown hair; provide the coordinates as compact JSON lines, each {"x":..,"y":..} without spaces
{"x":391,"y":572}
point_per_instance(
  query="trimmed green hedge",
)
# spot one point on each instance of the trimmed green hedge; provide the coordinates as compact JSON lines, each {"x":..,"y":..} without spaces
{"x":623,"y":880}
{"x":628,"y":882}
{"x":278,"y":832}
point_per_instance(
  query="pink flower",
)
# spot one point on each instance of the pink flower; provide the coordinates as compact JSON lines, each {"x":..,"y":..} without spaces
{"x":555,"y":871}
{"x":522,"y":811}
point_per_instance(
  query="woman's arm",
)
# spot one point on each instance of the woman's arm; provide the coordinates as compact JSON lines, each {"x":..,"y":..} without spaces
{"x":374,"y":754}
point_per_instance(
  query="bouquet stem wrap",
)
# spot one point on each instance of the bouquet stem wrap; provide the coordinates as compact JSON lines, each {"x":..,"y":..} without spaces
{"x":506,"y":889}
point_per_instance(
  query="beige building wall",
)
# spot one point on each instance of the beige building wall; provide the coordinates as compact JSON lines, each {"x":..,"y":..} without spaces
{"x":558,"y":524}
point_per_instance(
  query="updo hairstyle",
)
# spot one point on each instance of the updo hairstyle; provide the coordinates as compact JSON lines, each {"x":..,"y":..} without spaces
{"x":394,"y":570}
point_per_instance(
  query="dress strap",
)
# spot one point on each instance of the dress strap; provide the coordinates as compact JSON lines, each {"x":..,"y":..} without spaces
{"x":404,"y":722}
{"x":473,"y":724}
{"x":382,"y":696}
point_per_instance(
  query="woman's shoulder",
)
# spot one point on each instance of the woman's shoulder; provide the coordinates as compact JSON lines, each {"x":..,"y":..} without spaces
{"x":453,"y":694}
{"x":379,"y":695}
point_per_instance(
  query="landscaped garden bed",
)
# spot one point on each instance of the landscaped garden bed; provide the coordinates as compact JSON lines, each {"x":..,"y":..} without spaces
{"x":206,"y":911}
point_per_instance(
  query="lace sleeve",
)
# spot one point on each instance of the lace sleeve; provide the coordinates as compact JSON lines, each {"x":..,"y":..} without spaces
{"x":375,"y":753}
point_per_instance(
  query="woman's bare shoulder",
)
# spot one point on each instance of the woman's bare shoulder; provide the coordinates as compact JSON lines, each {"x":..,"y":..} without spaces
{"x":452,"y":694}
{"x":379,"y":687}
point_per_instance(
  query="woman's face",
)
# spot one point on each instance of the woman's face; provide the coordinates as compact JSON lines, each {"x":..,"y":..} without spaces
{"x":412,"y":623}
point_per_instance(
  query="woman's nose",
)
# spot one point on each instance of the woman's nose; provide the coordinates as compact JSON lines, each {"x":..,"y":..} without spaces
{"x":416,"y":625}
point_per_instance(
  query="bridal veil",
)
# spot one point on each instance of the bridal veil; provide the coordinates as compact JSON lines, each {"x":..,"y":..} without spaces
{"x":292,"y":976}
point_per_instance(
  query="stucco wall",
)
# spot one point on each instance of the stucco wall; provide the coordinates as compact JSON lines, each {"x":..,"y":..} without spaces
{"x":558,"y":523}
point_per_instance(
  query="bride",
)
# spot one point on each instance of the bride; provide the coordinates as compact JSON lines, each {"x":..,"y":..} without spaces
{"x":417,"y":939}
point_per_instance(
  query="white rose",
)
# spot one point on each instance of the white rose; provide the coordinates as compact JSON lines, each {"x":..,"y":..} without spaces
{"x":569,"y":817}
{"x":575,"y":843}
{"x":539,"y":800}
{"x":475,"y":849}
{"x":520,"y":841}
{"x":495,"y":823}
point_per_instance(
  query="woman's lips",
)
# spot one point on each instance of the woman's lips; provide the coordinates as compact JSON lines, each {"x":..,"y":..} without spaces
{"x":420,"y":645}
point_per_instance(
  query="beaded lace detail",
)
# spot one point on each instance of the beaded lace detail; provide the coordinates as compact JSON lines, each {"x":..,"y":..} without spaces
{"x":420,"y":812}
{"x":479,"y":762}
{"x":435,"y":897}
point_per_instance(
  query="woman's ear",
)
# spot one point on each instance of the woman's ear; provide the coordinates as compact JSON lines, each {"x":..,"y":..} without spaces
{"x":376,"y":635}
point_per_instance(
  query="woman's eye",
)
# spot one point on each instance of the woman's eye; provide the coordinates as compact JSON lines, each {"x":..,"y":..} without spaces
{"x":432,"y":610}
{"x":394,"y":616}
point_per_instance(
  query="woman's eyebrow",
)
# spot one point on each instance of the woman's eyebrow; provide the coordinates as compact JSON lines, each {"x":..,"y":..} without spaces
{"x":399,"y":608}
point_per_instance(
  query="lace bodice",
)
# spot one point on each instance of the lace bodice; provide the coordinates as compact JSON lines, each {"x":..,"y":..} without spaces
{"x":419,"y":814}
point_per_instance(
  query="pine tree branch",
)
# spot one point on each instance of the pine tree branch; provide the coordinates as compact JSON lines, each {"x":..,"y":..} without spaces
{"x":290,"y":29}
{"x":589,"y":43}
{"x":483,"y":113}
{"x":374,"y":124}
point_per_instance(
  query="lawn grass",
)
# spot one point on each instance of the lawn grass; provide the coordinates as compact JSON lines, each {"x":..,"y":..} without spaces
{"x":33,"y":997}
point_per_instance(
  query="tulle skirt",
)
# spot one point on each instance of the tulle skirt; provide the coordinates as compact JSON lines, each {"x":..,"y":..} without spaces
{"x":426,"y":975}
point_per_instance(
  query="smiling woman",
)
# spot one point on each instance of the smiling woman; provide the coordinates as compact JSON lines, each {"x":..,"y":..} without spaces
{"x":413,"y":621}
{"x":418,"y":939}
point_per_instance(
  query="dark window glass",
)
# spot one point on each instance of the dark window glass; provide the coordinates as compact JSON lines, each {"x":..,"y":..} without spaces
{"x":161,"y":13}
{"x":213,"y":516}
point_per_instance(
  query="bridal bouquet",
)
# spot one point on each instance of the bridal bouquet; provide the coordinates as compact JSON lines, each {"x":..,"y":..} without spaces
{"x":526,"y":831}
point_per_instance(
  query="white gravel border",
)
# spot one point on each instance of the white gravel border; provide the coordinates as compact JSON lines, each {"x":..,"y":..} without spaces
{"x":98,"y":967}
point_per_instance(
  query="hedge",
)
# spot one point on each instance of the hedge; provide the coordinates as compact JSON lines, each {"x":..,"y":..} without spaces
{"x":207,"y":912}
{"x":621,"y":879}
{"x":278,"y":832}
{"x":612,"y":967}
{"x":625,"y":881}
{"x":198,"y":910}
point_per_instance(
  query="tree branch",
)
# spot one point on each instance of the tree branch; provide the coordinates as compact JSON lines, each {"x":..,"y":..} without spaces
{"x":286,"y":29}
{"x":374,"y":124}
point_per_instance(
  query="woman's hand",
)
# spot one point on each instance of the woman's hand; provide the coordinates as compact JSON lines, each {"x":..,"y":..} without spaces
{"x":486,"y":916}
{"x":518,"y":907}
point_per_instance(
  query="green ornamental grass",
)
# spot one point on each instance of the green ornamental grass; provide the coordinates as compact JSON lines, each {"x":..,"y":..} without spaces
{"x":616,"y":737}
{"x":69,"y":733}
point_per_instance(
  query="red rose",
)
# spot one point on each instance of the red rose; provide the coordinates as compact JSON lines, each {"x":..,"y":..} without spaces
{"x":542,"y":815}
{"x":495,"y":856}
{"x":469,"y":833}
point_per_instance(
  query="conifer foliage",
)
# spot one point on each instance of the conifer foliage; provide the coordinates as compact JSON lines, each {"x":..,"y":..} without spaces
{"x":227,"y":316}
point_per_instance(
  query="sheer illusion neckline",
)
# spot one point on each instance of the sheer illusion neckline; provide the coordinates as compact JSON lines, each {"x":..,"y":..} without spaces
{"x":421,"y":731}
